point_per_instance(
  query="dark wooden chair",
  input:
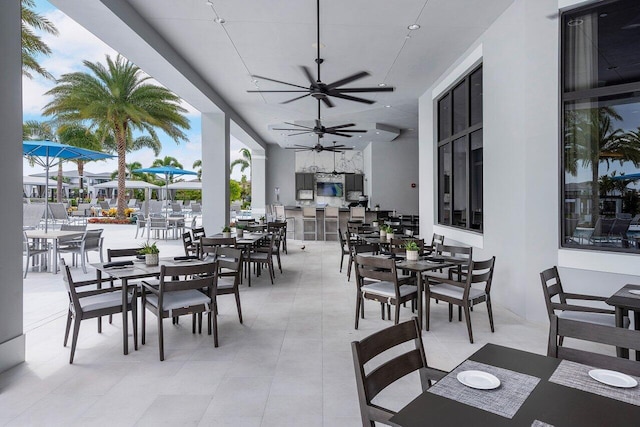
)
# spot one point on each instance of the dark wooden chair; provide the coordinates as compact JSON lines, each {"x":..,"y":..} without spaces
{"x":462,"y":253}
{"x":173,"y":297}
{"x":372,"y":381}
{"x":277,"y":241}
{"x":462,"y":292}
{"x":263,"y":258}
{"x":190,"y":247}
{"x":279,"y":227}
{"x":619,"y":337}
{"x":208,"y":245}
{"x":552,"y":288}
{"x":437,"y":239}
{"x":343,"y":247}
{"x":197,"y":233}
{"x":377,"y":279}
{"x":229,"y":274}
{"x":89,"y":304}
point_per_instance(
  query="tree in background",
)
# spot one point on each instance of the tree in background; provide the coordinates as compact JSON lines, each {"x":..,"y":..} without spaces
{"x":167,"y":161}
{"x":234,"y":190}
{"x":198,"y":166}
{"x":32,"y":45}
{"x":48,"y":131}
{"x":117,"y":100}
{"x":244,"y":162}
{"x":79,"y":136}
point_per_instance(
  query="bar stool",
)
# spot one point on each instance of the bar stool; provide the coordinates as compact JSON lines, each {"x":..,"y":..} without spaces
{"x":278,"y":211}
{"x":357,"y":213}
{"x":331,"y":215}
{"x":309,"y":215}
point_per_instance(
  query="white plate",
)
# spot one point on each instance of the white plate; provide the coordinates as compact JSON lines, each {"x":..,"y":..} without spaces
{"x":634,"y":291}
{"x":613,"y":378}
{"x":478,"y":379}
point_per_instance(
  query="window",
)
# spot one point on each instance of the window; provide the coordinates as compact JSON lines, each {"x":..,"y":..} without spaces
{"x":601,"y":127}
{"x":460,"y":153}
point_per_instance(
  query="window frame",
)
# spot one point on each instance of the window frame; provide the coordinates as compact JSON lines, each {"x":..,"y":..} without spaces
{"x":464,"y":134}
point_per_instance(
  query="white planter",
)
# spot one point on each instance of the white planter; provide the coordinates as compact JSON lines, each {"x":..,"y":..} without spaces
{"x":390,"y":236}
{"x":240,"y":232}
{"x":151,"y":259}
{"x":374,"y":223}
{"x":383,"y":234}
{"x":226,"y":234}
{"x":412,"y":255}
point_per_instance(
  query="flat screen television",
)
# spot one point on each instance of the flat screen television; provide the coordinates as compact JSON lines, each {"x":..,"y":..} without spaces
{"x":329,"y":189}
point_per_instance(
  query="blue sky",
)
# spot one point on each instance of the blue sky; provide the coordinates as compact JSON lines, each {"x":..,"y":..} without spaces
{"x":75,"y":44}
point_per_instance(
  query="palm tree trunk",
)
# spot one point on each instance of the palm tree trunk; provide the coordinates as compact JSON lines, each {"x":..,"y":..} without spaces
{"x":595,"y":191}
{"x":80,"y":175}
{"x":121,"y":134}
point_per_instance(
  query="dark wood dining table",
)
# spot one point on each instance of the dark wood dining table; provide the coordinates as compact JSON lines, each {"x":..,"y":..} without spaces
{"x":549,"y":402}
{"x":624,"y":302}
{"x":126,"y":274}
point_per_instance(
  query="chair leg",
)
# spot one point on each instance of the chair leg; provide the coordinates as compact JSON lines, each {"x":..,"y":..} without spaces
{"x":359,"y":308}
{"x":237,"y":294}
{"x":341,"y":262}
{"x":467,"y":316}
{"x":396,"y":320}
{"x":144,"y":318}
{"x":279,"y":263}
{"x":450,"y":312}
{"x":490,"y":311}
{"x":427,"y":310}
{"x":214,"y":323}
{"x":459,"y":313}
{"x":134,"y":319}
{"x":66,"y":332}
{"x":74,"y":338}
{"x":349,"y":268}
{"x":160,"y":335}
{"x":271,"y":272}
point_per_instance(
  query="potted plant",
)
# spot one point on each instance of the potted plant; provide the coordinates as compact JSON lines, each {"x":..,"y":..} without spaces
{"x":390,"y":234}
{"x":412,"y":250}
{"x":375,"y":223}
{"x":151,"y":253}
{"x":240,"y":230}
{"x":377,"y":207}
{"x":262,"y":219}
{"x":226,"y":232}
{"x":383,"y":231}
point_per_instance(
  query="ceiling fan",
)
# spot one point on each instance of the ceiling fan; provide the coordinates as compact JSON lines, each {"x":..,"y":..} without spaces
{"x":321,"y":130}
{"x":319,"y":148}
{"x":322,"y":91}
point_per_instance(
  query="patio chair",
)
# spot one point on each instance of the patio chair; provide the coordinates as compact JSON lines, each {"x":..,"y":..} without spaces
{"x":462,"y":253}
{"x":461,"y":291}
{"x":91,"y":241}
{"x":196,"y":209}
{"x":58,"y":214}
{"x":594,"y":333}
{"x":229,"y":274}
{"x":173,"y":297}
{"x":32,"y":215}
{"x":158,"y":224}
{"x":89,"y":304}
{"x":552,"y":288}
{"x":176,"y":209}
{"x":141,"y":224}
{"x":264,"y":257}
{"x":81,"y":213}
{"x":104,"y":205}
{"x":187,"y":243}
{"x":377,"y":279}
{"x":343,"y":247}
{"x":31,"y":250}
{"x":374,"y":379}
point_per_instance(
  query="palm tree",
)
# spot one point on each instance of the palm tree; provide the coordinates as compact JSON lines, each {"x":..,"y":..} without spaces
{"x":45,"y":130}
{"x":198,"y":165}
{"x":590,"y":138}
{"x":117,"y":100}
{"x":79,"y":136}
{"x":244,"y":162}
{"x":32,"y":45}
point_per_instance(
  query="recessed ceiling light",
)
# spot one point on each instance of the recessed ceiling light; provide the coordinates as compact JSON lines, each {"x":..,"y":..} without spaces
{"x":382,"y":84}
{"x":414,"y":27}
{"x":254,"y":81}
{"x":377,"y":133}
{"x":387,"y":106}
{"x":359,"y":136}
{"x":604,"y":15}
{"x":575,"y":22}
{"x":411,"y":129}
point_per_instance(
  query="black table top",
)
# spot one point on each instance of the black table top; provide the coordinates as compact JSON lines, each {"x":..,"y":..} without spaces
{"x":548,"y":402}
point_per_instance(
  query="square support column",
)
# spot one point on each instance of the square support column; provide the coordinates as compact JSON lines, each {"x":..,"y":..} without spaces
{"x":258,"y":182}
{"x":12,"y":340}
{"x":215,"y":171}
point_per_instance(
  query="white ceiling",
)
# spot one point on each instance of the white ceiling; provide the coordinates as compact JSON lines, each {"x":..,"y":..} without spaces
{"x":273,"y":38}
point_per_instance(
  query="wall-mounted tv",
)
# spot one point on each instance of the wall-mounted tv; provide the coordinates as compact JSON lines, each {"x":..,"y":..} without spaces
{"x":329,"y":189}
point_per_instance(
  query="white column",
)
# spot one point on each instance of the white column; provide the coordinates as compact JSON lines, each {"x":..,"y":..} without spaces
{"x":11,"y":337}
{"x":258,"y":182}
{"x":215,"y":171}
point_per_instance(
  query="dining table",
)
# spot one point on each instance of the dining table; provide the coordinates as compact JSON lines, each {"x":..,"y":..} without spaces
{"x":128,"y":271}
{"x":54,"y":236}
{"x":531,"y":390}
{"x":626,"y":299}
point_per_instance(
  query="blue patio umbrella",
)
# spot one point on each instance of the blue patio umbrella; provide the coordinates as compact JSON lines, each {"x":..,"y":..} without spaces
{"x":49,"y":153}
{"x":630,"y":177}
{"x":168,"y":172}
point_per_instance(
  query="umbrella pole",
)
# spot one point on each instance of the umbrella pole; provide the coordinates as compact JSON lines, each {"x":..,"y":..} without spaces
{"x":46,"y":195}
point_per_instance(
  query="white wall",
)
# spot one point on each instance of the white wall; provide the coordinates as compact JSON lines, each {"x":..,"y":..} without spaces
{"x":280,"y":173}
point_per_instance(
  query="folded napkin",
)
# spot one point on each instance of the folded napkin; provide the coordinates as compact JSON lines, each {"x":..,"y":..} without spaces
{"x":184,"y":258}
{"x":118,"y":264}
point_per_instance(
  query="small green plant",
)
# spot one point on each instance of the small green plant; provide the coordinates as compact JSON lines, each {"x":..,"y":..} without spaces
{"x":149,"y":249}
{"x":387,"y":229}
{"x":262,"y":219}
{"x":226,"y":229}
{"x":411,"y":246}
{"x":240,"y":227}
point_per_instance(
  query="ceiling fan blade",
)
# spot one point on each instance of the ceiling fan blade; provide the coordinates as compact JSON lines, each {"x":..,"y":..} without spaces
{"x":327,"y":102}
{"x":275,"y":91}
{"x":295,"y":124}
{"x":297,"y":130}
{"x":363,"y":89}
{"x":347,"y":80}
{"x":301,"y":133}
{"x":346,"y":135}
{"x":348,"y":125}
{"x":351,"y":130}
{"x":352,"y":98}
{"x":295,"y":99}
{"x":307,"y":73}
{"x":278,"y":81}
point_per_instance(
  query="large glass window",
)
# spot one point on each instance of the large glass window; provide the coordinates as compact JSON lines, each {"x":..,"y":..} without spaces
{"x":460,"y":153}
{"x":601,"y":126}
